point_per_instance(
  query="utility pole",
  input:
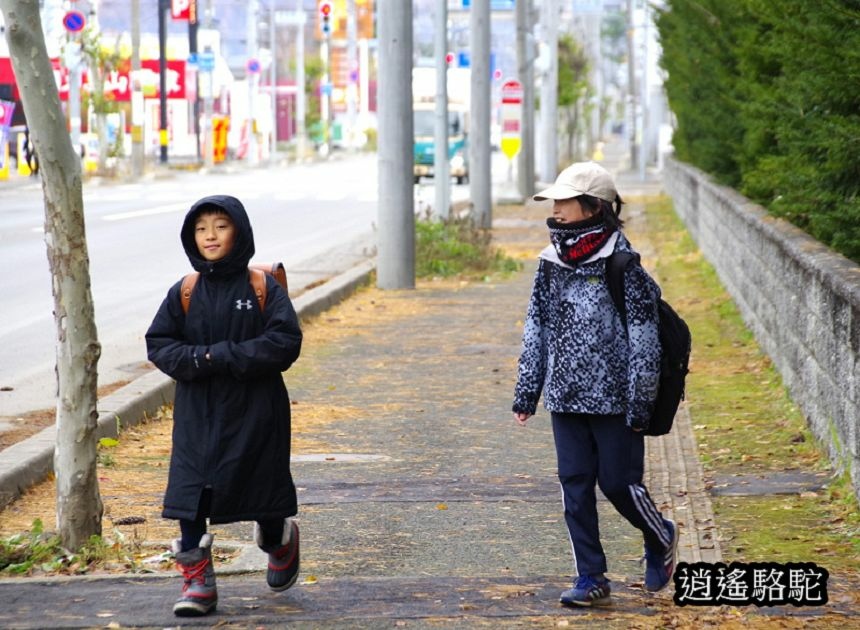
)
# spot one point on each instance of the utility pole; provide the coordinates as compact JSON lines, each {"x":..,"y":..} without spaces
{"x":549,"y":94}
{"x":643,"y":104}
{"x":251,"y":77}
{"x":273,"y":80}
{"x":301,"y":103}
{"x":631,"y":85}
{"x":526,"y":77}
{"x":325,"y":100}
{"x":163,"y":7}
{"x":73,"y":63}
{"x":441,"y":166}
{"x":193,"y":24}
{"x":352,"y":69}
{"x":396,"y":223}
{"x":137,"y":107}
{"x":480,"y":183}
{"x":208,"y":108}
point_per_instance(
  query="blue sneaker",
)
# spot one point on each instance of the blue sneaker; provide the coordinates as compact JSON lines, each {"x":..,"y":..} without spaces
{"x":587,"y":591}
{"x":659,"y":565}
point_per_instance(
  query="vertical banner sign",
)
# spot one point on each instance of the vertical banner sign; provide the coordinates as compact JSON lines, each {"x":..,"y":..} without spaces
{"x":184,"y":10}
{"x":512,"y":105}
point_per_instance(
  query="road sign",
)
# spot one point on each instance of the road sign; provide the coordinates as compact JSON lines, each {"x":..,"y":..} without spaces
{"x":74,"y":21}
{"x":206,"y":61}
{"x":512,"y":92}
{"x":253,"y":66}
{"x":512,"y":106}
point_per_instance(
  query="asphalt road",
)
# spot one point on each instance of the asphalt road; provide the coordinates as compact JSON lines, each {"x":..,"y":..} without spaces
{"x":300,"y":214}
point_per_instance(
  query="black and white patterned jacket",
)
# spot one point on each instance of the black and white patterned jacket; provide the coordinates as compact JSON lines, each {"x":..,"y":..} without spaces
{"x":575,"y":347}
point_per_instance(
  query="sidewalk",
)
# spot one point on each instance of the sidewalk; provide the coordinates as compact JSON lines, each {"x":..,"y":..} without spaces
{"x":422,"y":504}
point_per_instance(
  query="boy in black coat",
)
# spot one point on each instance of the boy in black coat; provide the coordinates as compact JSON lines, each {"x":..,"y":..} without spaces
{"x":231,"y":419}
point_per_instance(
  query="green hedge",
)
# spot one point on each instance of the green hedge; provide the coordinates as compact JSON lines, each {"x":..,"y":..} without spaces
{"x":766,"y":94}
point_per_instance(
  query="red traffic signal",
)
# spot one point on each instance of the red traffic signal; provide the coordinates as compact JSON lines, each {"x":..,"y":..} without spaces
{"x":449,"y":58}
{"x":325,"y":15}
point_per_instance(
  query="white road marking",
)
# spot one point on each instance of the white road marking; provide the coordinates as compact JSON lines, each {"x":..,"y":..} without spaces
{"x":134,"y":214}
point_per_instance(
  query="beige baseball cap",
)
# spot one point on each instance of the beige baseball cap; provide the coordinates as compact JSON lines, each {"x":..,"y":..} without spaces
{"x":582,"y":178}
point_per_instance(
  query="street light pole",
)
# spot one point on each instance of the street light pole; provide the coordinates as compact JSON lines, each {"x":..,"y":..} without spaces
{"x":137,"y":107}
{"x":273,"y":78}
{"x":525,"y":74}
{"x":480,"y":184}
{"x":396,"y":224}
{"x":251,"y":77}
{"x":441,"y":167}
{"x":549,"y":94}
{"x":163,"y":7}
{"x":301,"y":102}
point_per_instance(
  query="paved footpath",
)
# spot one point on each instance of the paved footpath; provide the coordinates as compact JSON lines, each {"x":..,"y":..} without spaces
{"x":422,"y":504}
{"x":421,"y":500}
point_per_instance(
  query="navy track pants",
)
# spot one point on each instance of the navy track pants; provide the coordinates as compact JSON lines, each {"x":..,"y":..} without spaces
{"x":603,"y":450}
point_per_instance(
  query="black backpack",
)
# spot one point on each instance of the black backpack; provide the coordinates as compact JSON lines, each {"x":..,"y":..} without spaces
{"x":675,"y":341}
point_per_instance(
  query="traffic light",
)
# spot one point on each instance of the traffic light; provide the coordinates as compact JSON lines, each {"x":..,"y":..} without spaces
{"x":325,"y":17}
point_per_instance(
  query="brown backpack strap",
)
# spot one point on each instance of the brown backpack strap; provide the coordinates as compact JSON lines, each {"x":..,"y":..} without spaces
{"x":188,"y":283}
{"x":256,"y":275}
{"x":276,"y":270}
{"x":258,"y":283}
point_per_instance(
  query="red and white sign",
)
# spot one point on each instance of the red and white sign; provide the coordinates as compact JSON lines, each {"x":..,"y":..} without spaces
{"x":512,"y":92}
{"x":512,"y":105}
{"x":118,"y":82}
{"x":184,"y":10}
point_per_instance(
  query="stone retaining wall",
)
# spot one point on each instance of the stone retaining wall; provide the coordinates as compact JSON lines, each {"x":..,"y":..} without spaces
{"x":800,"y":299}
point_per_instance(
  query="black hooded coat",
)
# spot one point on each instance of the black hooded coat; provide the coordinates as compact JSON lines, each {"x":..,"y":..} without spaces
{"x":231,"y":416}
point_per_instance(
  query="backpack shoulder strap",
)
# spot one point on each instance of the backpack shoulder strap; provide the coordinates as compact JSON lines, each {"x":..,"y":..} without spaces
{"x":258,"y":283}
{"x":616,"y":264}
{"x":257,"y":278}
{"x":188,"y":283}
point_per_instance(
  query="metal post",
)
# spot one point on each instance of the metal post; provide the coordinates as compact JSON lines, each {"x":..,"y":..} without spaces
{"x":441,"y":166}
{"x":480,"y":182}
{"x":525,"y":74}
{"x":631,"y":85}
{"x":301,"y":103}
{"x":643,"y":105}
{"x":163,"y":7}
{"x":193,"y":24}
{"x":396,"y":244}
{"x":137,"y":107}
{"x":251,"y":77}
{"x":549,"y":94}
{"x":352,"y":69}
{"x":325,"y":100}
{"x":208,"y":109}
{"x":273,"y":81}
{"x":73,"y":62}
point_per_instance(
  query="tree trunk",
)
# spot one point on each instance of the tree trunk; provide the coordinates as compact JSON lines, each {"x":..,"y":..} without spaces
{"x":79,"y":506}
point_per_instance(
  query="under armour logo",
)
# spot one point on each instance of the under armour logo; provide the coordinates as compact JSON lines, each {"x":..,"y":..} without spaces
{"x":246,"y":304}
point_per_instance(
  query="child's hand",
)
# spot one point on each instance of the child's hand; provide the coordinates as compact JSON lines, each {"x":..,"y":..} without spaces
{"x":521,"y":418}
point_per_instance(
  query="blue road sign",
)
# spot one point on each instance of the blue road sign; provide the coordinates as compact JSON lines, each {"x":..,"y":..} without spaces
{"x":74,"y":21}
{"x":206,"y":61}
{"x":253,"y":66}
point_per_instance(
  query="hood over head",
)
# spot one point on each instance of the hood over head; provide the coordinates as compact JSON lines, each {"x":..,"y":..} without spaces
{"x":243,"y":246}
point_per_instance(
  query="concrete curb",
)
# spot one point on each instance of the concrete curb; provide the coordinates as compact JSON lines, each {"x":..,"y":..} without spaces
{"x":31,"y":461}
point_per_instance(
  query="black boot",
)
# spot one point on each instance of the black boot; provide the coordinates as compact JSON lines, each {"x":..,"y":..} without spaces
{"x":283,"y":569}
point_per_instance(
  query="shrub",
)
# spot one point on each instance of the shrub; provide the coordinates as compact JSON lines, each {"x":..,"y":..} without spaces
{"x":457,"y":247}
